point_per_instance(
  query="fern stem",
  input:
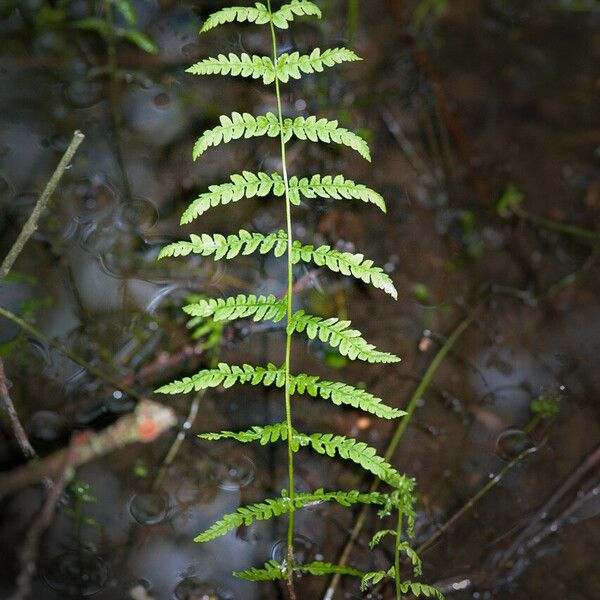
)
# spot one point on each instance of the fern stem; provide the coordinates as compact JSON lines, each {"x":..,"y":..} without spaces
{"x":397,"y":556}
{"x":290,"y":293}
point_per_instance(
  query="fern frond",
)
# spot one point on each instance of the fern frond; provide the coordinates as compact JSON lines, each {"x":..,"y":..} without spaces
{"x":247,"y":243}
{"x":379,"y":535}
{"x":406,"y":587}
{"x":375,"y":577}
{"x":226,"y":375}
{"x":244,"y":185}
{"x":324,"y":130}
{"x":243,"y":65}
{"x":322,"y":443}
{"x":272,"y":571}
{"x":267,"y":434}
{"x":248,"y":185}
{"x":274,"y":507}
{"x":258,"y":14}
{"x":341,"y":393}
{"x":337,"y":334}
{"x":294,"y":64}
{"x":336,"y":187}
{"x":420,"y":589}
{"x":337,"y":392}
{"x":246,"y":125}
{"x":300,"y":8}
{"x":239,"y":307}
{"x":243,"y":242}
{"x":322,"y":568}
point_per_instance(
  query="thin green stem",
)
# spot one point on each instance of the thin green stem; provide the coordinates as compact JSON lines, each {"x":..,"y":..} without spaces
{"x":566,"y":228}
{"x":290,"y":299}
{"x":397,"y":556}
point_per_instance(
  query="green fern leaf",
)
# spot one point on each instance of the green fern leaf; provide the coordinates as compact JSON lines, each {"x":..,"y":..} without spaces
{"x":341,"y":393}
{"x":299,"y":8}
{"x":337,"y":392}
{"x":249,"y":185}
{"x":324,"y":130}
{"x":274,"y":507}
{"x":322,"y":443}
{"x":375,"y":577}
{"x":291,"y":66}
{"x":244,"y":185}
{"x":243,"y":65}
{"x":258,"y":14}
{"x":336,"y":187}
{"x":248,"y":126}
{"x":247,"y":243}
{"x":406,"y":587}
{"x":419,"y":589}
{"x":322,"y":568}
{"x":228,"y":247}
{"x":376,"y":539}
{"x":337,"y":334}
{"x":239,"y":307}
{"x":272,"y":571}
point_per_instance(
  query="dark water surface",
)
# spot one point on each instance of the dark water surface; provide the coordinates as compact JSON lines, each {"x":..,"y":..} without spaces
{"x":522,"y":79}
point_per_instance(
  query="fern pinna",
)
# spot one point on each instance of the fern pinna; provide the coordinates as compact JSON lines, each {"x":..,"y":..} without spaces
{"x":276,"y":70}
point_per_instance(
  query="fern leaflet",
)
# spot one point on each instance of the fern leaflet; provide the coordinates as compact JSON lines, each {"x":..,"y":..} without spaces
{"x":294,"y":64}
{"x":250,"y":185}
{"x":274,"y":507}
{"x":322,"y":443}
{"x":338,"y":335}
{"x":247,"y":243}
{"x":406,"y":587}
{"x":245,"y":125}
{"x":239,"y":307}
{"x":273,"y":571}
{"x":338,"y":392}
{"x":299,"y":8}
{"x":257,"y":14}
{"x":243,"y":65}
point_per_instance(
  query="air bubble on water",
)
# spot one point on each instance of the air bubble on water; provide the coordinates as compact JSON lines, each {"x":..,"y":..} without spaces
{"x":192,"y":588}
{"x":300,"y":104}
{"x":82,"y":93}
{"x":235,"y":472}
{"x":77,"y":573}
{"x":303,"y":550}
{"x":191,"y":51}
{"x":136,"y":214}
{"x":149,"y":508}
{"x":46,"y":426}
{"x":512,"y":442}
{"x":162,"y":101}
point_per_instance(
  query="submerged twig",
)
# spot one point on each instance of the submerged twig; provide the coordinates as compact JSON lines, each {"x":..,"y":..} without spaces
{"x":32,"y":223}
{"x":149,"y":421}
{"x":29,"y":553}
{"x":492,"y":483}
{"x":15,"y":423}
{"x":68,"y":353}
{"x":416,"y":396}
{"x":453,"y":125}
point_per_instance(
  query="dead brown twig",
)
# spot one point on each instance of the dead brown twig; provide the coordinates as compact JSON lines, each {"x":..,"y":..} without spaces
{"x":15,"y":423}
{"x":149,"y":421}
{"x":29,"y":553}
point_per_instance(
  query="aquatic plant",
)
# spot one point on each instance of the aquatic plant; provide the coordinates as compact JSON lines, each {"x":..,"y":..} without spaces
{"x":278,"y":69}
